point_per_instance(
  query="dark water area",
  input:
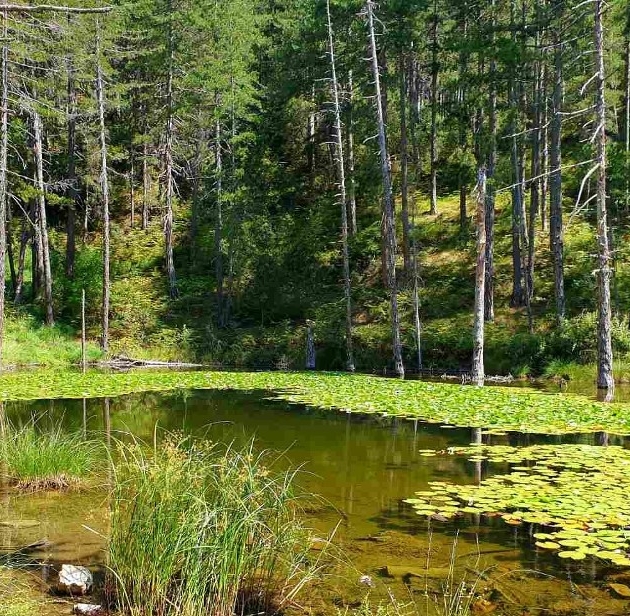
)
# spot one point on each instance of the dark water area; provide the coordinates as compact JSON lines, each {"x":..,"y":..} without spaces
{"x":361,"y":467}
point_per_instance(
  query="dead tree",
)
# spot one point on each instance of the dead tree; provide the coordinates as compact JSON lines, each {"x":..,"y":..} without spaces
{"x":388,"y":199}
{"x":605,"y":378}
{"x":4,"y":146}
{"x":104,"y":181}
{"x":478,"y":373}
{"x":339,"y":159}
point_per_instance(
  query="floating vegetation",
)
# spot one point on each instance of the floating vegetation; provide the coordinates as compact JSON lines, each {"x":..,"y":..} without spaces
{"x":578,"y":493}
{"x":496,"y":409}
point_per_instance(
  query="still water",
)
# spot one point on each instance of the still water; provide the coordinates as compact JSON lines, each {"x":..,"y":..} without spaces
{"x":361,"y":468}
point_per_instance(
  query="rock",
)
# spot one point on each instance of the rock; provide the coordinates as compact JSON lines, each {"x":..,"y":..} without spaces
{"x":621,"y":590}
{"x":74,"y":580}
{"x":366,"y":580}
{"x":87,"y":609}
{"x":18,"y":524}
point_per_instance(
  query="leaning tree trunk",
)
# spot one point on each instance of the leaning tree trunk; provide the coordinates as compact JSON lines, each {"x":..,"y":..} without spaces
{"x":4,"y":146}
{"x":605,"y":378}
{"x":104,"y":181}
{"x":342,"y":193}
{"x":556,"y":233}
{"x":478,"y":373}
{"x":41,"y":218}
{"x":168,"y":166}
{"x":388,"y":200}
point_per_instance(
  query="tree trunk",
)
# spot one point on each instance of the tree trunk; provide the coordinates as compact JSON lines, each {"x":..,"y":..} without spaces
{"x":218,"y":221}
{"x":4,"y":147}
{"x":434,"y":109}
{"x":73,"y":192}
{"x":25,"y":236}
{"x":146,"y":183}
{"x":490,"y":189}
{"x":41,"y":218}
{"x":342,"y":193}
{"x":104,"y":181}
{"x":544,"y":151}
{"x":478,"y":373}
{"x":556,"y":231}
{"x":168,"y":165}
{"x":626,"y":107}
{"x":10,"y":257}
{"x":462,"y":119}
{"x":404,"y":169}
{"x":132,"y":186}
{"x":388,"y":200}
{"x":352,"y":199}
{"x":605,"y":378}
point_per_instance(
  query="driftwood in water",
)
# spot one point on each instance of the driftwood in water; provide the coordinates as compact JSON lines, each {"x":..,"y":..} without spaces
{"x":121,"y":361}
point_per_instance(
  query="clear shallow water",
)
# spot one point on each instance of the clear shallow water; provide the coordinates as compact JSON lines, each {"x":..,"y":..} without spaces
{"x":361,"y":467}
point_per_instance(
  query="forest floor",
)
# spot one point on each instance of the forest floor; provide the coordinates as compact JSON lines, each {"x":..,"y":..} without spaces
{"x":146,"y":324}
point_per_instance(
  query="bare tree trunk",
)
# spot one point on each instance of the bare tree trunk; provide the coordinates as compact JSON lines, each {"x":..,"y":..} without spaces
{"x":352,"y":199}
{"x":478,"y":372}
{"x":462,"y":72}
{"x":544,"y":151}
{"x":218,"y":221}
{"x":25,"y":236}
{"x":404,"y":169}
{"x":312,"y":159}
{"x":168,"y":165}
{"x":4,"y":147}
{"x":490,"y":188}
{"x":605,"y":378}
{"x":41,"y":218}
{"x":146,"y":183}
{"x":10,"y":255}
{"x":555,"y":185}
{"x":83,"y":343}
{"x":388,"y":200}
{"x":342,"y":193}
{"x":132,"y":186}
{"x":626,"y":106}
{"x":73,"y":192}
{"x":434,"y":109}
{"x":104,"y":181}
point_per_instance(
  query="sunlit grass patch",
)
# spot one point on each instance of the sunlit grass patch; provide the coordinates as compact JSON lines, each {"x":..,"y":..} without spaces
{"x":47,"y":459}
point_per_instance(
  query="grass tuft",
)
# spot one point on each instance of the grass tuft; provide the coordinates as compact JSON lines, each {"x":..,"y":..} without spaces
{"x":196,"y":529}
{"x":36,"y":459}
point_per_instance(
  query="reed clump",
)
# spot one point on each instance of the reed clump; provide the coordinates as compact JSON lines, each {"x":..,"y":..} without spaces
{"x":34,"y":458}
{"x":197,"y":528}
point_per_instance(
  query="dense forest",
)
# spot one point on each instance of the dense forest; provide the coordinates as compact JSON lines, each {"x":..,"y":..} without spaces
{"x":218,"y":176}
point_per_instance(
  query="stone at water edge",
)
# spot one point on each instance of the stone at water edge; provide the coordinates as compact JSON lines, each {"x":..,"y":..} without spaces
{"x":87,"y":609}
{"x":74,"y":580}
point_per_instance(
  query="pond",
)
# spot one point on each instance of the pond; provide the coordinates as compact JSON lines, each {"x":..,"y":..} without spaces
{"x":362,"y":468}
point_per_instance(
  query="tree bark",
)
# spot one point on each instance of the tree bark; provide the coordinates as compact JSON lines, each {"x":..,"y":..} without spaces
{"x":388,"y":200}
{"x":25,"y":236}
{"x":605,"y":378}
{"x":146,"y":183}
{"x":104,"y":181}
{"x":342,"y":193}
{"x":556,"y":231}
{"x":478,"y":373}
{"x":41,"y":218}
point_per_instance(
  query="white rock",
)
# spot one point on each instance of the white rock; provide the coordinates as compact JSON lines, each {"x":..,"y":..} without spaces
{"x":87,"y":609}
{"x":74,"y":580}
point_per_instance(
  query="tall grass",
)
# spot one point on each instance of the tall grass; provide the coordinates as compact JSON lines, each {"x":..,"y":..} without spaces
{"x":35,"y":459}
{"x":199,"y":530}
